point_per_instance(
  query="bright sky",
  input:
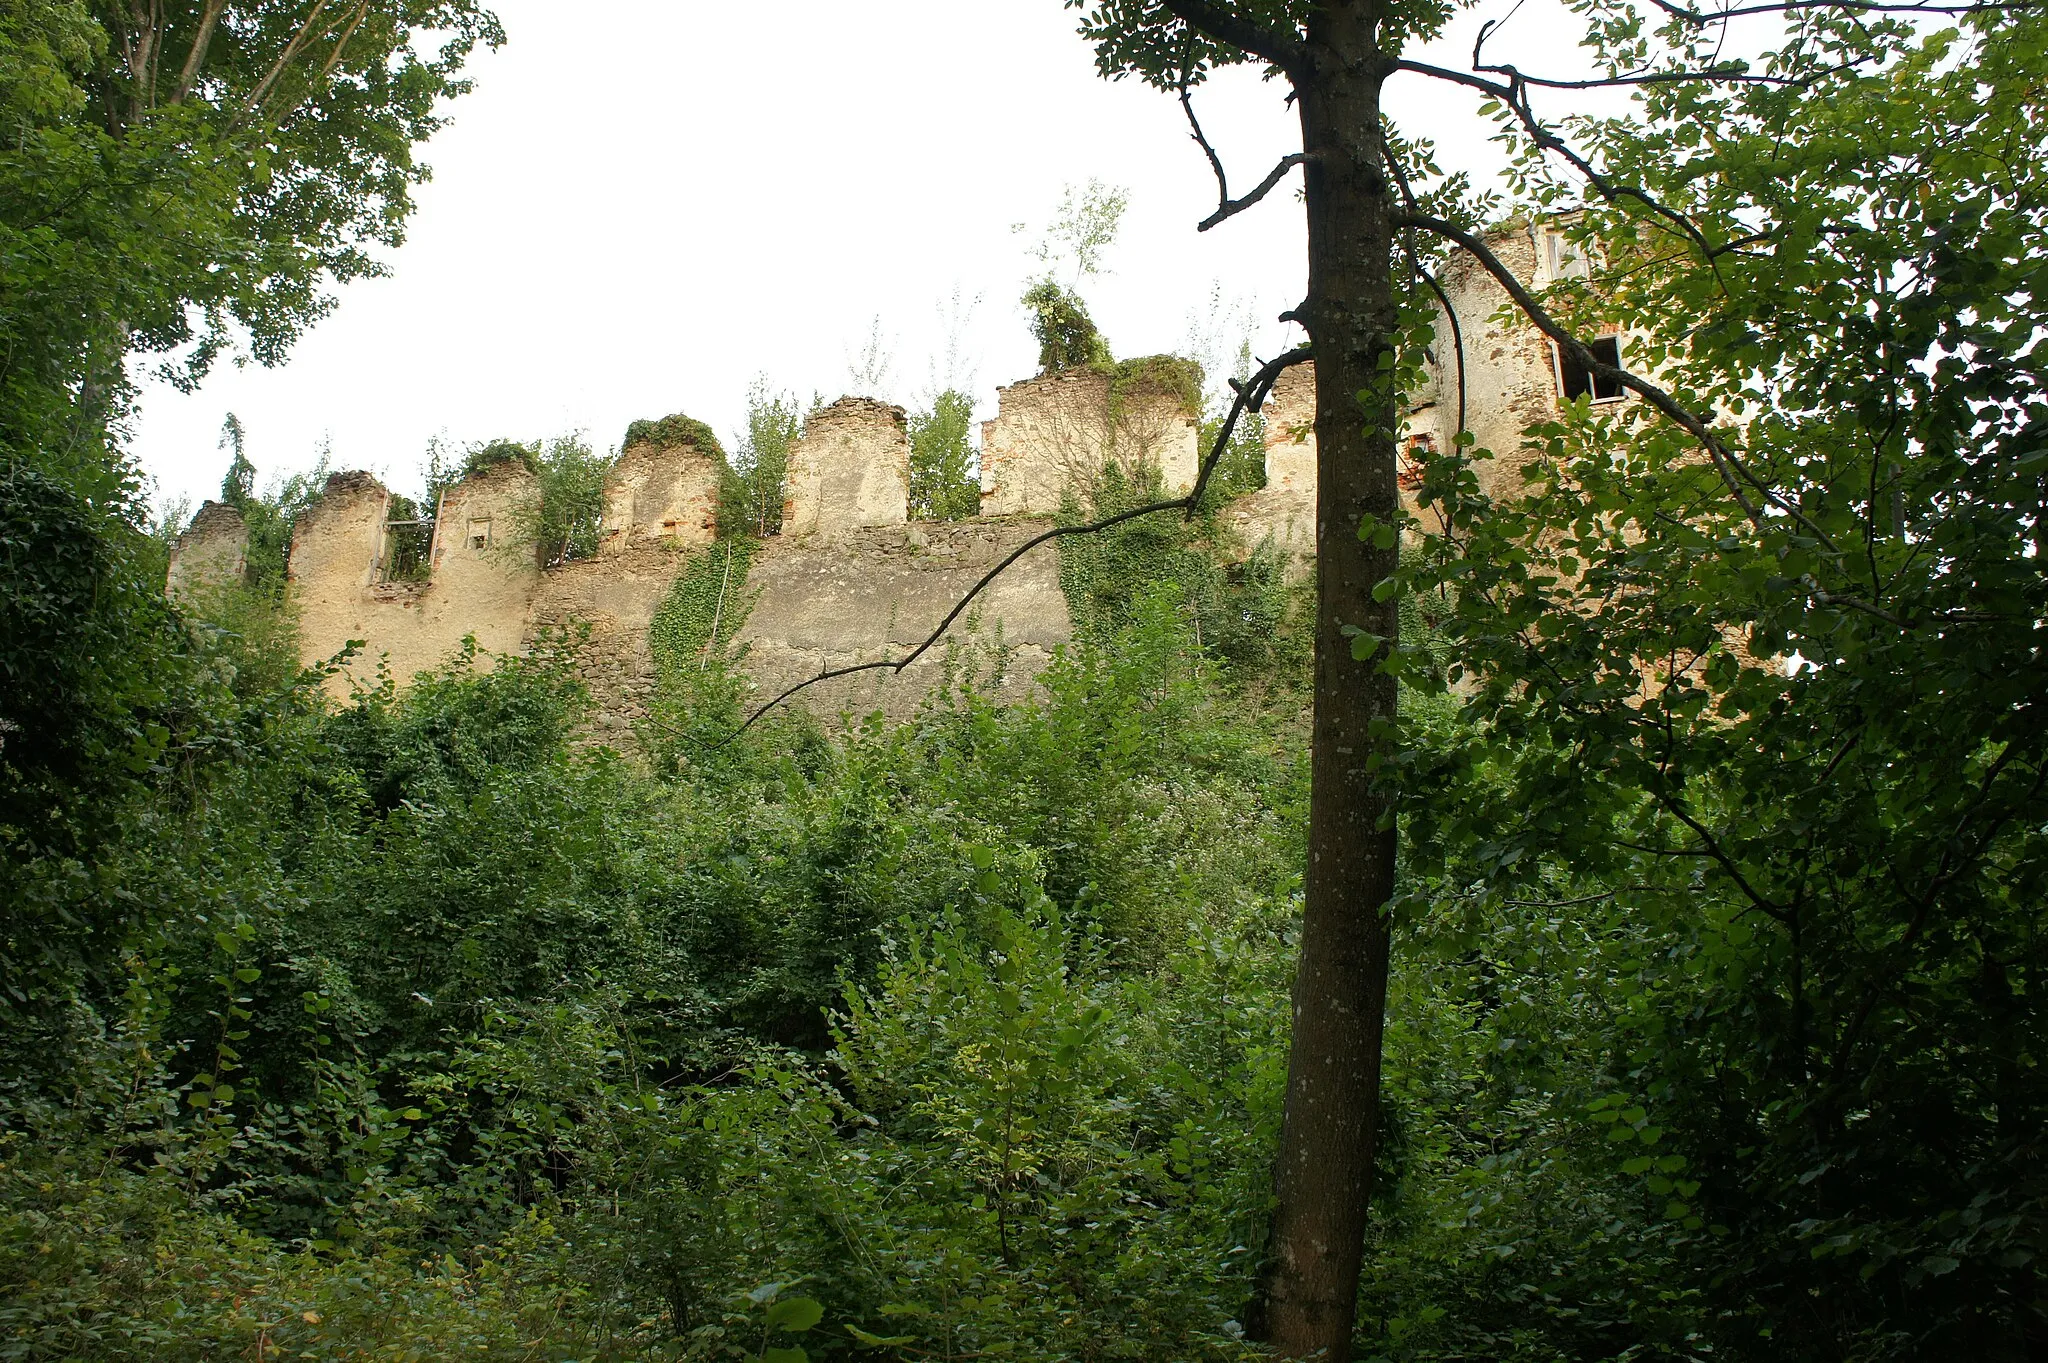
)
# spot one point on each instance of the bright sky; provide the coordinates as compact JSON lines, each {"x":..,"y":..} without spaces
{"x":646,"y":203}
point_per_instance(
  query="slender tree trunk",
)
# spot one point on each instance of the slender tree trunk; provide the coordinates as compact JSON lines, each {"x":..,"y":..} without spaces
{"x":1328,"y":1139}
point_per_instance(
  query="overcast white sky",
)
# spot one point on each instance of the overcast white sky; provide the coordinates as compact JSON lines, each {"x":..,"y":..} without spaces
{"x":645,"y":203}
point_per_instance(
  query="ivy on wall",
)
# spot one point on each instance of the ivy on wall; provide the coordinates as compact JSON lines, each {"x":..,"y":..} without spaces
{"x":704,"y":610}
{"x":1236,"y":610}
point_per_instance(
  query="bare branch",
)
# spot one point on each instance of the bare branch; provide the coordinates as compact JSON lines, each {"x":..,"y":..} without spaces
{"x":1226,"y":207}
{"x":1230,"y":208}
{"x":1251,"y":395}
{"x":1694,"y":16}
{"x":1515,"y":96}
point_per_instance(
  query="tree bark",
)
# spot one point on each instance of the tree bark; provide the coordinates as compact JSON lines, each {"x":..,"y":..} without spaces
{"x":1329,"y":1132}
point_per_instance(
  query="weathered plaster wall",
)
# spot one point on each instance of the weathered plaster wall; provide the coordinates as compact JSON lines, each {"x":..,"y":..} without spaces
{"x":878,"y":591}
{"x":212,"y":552}
{"x":333,"y":563}
{"x":1510,"y":369}
{"x":1055,"y":431}
{"x":850,"y":469}
{"x":660,"y":494}
{"x":482,"y":580}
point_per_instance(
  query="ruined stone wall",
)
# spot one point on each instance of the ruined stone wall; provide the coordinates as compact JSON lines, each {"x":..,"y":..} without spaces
{"x":661,"y":495}
{"x":879,"y":590}
{"x":213,"y":552}
{"x":335,"y":552}
{"x":1285,"y":508}
{"x":849,"y":469}
{"x":1058,"y":431}
{"x":482,"y":577}
{"x":1510,"y":368}
{"x":1510,"y":383}
{"x":850,"y":580}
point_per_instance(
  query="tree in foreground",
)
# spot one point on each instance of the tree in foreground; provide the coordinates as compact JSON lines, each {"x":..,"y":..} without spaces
{"x":182,"y":181}
{"x":1828,"y":252}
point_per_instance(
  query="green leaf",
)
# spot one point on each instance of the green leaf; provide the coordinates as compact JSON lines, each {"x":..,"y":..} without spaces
{"x":790,"y":1354}
{"x":795,"y":1314}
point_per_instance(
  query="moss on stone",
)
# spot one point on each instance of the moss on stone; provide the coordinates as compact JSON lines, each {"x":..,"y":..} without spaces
{"x":496,"y":452}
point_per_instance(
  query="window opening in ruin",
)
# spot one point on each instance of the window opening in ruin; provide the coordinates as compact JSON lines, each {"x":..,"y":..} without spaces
{"x":1577,"y":381}
{"x":479,"y":532}
{"x":408,"y":550}
{"x":1566,"y":259}
{"x":1414,"y":460}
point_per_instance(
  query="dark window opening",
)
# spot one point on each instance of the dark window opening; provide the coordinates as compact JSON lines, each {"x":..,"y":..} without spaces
{"x":1580,"y":381}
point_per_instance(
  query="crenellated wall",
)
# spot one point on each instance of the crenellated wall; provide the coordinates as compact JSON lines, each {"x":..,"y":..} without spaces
{"x":663,"y":495}
{"x":850,"y":579}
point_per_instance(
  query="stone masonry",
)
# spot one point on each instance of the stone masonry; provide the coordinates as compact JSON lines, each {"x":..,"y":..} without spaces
{"x":1057,"y":431}
{"x":850,"y":468}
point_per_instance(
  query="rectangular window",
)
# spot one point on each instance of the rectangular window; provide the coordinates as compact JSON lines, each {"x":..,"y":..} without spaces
{"x":479,"y":532}
{"x":1578,"y":381}
{"x":1566,"y":260}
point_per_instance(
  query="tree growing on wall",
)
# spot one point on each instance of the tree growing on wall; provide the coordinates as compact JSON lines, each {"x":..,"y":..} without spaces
{"x":942,"y":482}
{"x":1376,"y":216}
{"x":751,"y":499}
{"x":1072,"y":248}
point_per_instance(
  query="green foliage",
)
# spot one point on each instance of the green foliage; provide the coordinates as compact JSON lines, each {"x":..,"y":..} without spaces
{"x":672,"y":432}
{"x":1242,"y":468}
{"x":1171,"y":375}
{"x":1066,"y":335}
{"x":943,"y":486}
{"x":751,"y":498}
{"x":563,"y":519}
{"x":705,"y":608}
{"x":142,"y":214}
{"x":271,"y":519}
{"x":1785,"y":768}
{"x":238,"y":486}
{"x":1082,"y":230}
{"x":1234,"y":611}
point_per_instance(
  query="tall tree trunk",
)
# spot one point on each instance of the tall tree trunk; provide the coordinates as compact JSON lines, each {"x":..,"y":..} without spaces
{"x":1328,"y":1139}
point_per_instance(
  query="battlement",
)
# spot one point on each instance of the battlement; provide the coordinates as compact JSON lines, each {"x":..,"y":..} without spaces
{"x":213,"y":552}
{"x":1057,"y":431}
{"x":850,"y":578}
{"x":850,"y":469}
{"x":661,"y":492}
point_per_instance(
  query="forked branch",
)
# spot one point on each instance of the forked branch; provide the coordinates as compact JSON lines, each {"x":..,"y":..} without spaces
{"x":1251,"y":395}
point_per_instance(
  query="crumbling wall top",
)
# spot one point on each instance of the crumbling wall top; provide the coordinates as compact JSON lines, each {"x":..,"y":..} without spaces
{"x":1057,"y":431}
{"x":849,"y":469}
{"x":212,"y":552}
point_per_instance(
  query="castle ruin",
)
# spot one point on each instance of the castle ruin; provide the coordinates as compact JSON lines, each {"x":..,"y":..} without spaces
{"x":851,"y":578}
